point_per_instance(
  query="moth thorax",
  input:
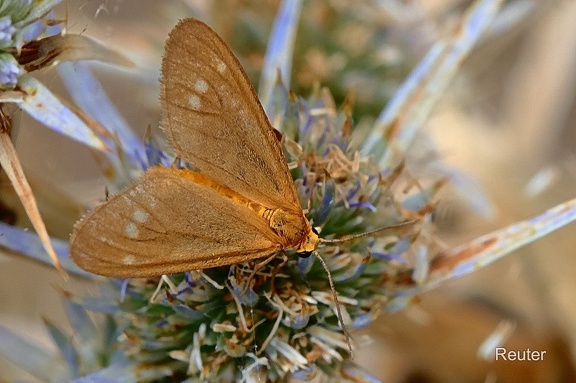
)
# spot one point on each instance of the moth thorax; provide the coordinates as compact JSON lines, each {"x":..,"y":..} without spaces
{"x":290,"y":226}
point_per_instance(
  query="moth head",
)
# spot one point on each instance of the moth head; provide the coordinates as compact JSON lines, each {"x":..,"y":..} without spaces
{"x":309,"y":244}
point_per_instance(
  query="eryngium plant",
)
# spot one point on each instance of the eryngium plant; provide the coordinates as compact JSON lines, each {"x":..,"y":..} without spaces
{"x":273,"y":319}
{"x":269,"y":318}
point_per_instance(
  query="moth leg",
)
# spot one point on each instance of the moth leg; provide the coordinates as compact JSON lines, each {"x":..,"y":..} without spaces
{"x":257,"y":267}
{"x":276,"y":270}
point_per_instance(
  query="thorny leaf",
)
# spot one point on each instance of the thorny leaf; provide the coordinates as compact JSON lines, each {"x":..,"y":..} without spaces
{"x":11,"y":165}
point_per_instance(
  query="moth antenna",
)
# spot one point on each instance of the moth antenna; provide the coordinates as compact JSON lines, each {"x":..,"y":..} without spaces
{"x":347,"y":238}
{"x":337,"y":302}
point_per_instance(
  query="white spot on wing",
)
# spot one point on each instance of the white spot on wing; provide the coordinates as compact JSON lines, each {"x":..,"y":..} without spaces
{"x":220,"y":67}
{"x":131,"y":230}
{"x":128,"y":259}
{"x":140,"y":216}
{"x":106,"y":240}
{"x":194,"y":102}
{"x":201,"y":86}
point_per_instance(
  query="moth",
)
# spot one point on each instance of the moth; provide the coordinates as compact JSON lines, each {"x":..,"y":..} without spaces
{"x":239,"y":206}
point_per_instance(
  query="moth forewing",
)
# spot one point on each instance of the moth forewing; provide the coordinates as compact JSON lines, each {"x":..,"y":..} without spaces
{"x":170,"y":221}
{"x":213,"y":119}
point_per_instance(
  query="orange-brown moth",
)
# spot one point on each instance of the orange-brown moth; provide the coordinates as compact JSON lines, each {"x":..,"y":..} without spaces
{"x":240,"y":206}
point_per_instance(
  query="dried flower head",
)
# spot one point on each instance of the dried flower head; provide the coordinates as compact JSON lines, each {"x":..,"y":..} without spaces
{"x":276,"y":316}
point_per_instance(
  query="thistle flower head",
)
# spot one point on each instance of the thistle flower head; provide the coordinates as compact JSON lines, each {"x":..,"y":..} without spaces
{"x":273,"y":317}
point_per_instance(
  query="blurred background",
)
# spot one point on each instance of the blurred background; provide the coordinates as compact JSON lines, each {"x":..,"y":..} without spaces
{"x":508,"y":120}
